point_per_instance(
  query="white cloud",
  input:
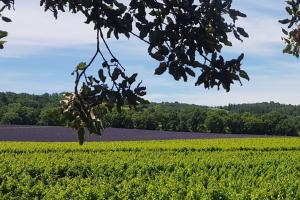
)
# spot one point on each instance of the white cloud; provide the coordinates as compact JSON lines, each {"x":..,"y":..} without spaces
{"x":264,"y":40}
{"x":266,"y":5}
{"x":33,"y":30}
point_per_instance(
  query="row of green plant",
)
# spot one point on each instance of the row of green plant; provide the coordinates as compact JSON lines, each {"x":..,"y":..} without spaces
{"x":235,"y":169}
{"x":233,"y":144}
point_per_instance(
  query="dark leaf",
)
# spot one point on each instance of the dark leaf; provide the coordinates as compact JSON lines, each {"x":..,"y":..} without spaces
{"x":190,"y":72}
{"x":244,"y":75}
{"x":6,"y":19}
{"x":284,"y":21}
{"x":242,"y":32}
{"x":161,"y":69}
{"x":115,"y":74}
{"x":101,"y":75}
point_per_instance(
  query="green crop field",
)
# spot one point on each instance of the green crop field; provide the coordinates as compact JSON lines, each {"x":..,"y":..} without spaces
{"x":266,"y":168}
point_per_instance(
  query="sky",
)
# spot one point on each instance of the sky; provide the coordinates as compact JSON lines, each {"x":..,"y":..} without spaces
{"x":42,"y":52}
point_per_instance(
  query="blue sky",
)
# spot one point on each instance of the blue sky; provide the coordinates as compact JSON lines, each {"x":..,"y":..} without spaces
{"x":42,"y":52}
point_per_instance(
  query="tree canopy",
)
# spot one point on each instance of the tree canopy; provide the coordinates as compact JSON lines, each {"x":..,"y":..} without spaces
{"x":5,"y":4}
{"x":185,"y":37}
{"x":292,"y":33}
{"x":260,"y":118}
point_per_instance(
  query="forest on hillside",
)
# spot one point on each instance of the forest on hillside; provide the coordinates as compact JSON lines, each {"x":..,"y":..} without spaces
{"x":259,"y":118}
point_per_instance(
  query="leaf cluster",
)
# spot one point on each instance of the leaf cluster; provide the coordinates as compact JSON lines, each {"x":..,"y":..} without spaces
{"x":5,"y":4}
{"x":186,"y":37}
{"x":292,"y":32}
{"x":99,"y":94}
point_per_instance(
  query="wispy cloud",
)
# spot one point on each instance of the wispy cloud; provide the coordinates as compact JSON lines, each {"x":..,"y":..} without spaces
{"x":265,"y":5}
{"x":33,"y":30}
{"x":263,"y":27}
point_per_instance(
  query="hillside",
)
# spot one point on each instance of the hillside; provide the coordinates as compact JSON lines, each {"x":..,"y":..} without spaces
{"x":259,"y":119}
{"x":263,"y":108}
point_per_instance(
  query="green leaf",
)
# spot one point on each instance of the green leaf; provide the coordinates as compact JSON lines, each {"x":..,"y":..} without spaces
{"x":241,"y":57}
{"x":1,"y":44}
{"x":143,"y":34}
{"x":242,"y":32}
{"x":81,"y":66}
{"x":109,"y":32}
{"x":105,"y":64}
{"x":3,"y":34}
{"x":244,"y":75}
{"x":284,"y":21}
{"x":157,"y":56}
{"x":121,"y":6}
{"x":169,"y":19}
{"x":197,"y":64}
{"x":161,"y":69}
{"x":190,"y":72}
{"x":285,"y":31}
{"x":227,"y":43}
{"x":6,"y":19}
{"x":80,"y":133}
{"x":132,"y":78}
{"x":116,"y":34}
{"x":289,"y":10}
{"x":237,"y":13}
{"x":201,"y":79}
{"x":287,"y":49}
{"x":115,"y":74}
{"x":101,"y":75}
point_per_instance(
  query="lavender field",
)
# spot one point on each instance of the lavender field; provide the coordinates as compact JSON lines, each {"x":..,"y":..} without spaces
{"x":63,"y":134}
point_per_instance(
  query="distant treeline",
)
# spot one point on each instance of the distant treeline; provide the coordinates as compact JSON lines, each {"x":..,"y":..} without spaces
{"x":263,"y":108}
{"x":260,"y":118}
